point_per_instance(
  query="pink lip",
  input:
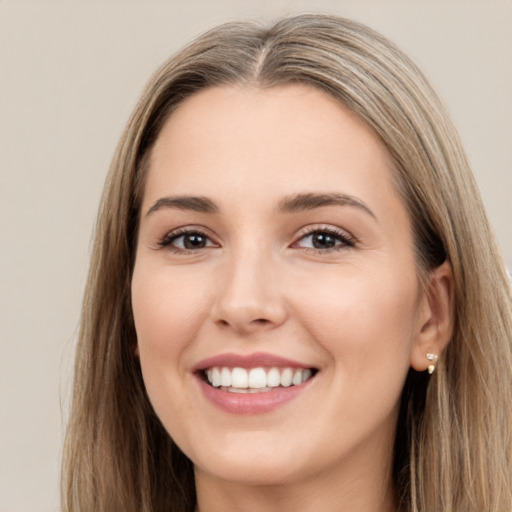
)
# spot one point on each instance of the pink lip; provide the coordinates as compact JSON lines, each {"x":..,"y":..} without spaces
{"x":249,"y":403}
{"x":258,"y":359}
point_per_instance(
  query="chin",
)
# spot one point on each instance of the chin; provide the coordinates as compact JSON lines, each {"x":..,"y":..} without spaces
{"x":251,"y":473}
{"x":253,"y":466}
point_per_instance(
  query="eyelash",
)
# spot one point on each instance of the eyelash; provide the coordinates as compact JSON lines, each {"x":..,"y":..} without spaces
{"x":346,"y":240}
{"x":168,"y":239}
{"x":342,"y":236}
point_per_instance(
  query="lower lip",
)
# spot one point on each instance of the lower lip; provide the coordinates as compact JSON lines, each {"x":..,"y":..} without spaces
{"x":250,"y":403}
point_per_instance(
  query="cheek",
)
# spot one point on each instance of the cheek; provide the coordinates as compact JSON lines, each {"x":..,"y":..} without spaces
{"x":166,"y":310}
{"x":167,"y":313}
{"x":167,"y":316}
{"x":363,"y":320}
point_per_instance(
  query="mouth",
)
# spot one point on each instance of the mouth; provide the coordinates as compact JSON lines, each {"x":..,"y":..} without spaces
{"x":255,"y":380}
{"x":257,"y":383}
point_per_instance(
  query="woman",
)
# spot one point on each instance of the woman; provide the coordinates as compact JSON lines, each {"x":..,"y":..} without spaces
{"x":295,"y":299}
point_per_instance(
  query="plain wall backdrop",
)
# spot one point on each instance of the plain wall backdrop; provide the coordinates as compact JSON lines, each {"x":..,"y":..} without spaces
{"x":70,"y":73}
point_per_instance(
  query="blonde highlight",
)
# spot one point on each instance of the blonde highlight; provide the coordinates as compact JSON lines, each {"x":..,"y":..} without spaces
{"x":453,"y":450}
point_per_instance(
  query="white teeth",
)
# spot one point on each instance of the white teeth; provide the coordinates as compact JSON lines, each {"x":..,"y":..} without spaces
{"x":306,"y":374}
{"x":273,"y":378}
{"x":240,"y":380}
{"x":297,"y":378}
{"x":216,"y":377}
{"x":238,"y":390}
{"x":257,"y":378}
{"x":245,"y":390}
{"x":286,"y":377}
{"x":225,"y":377}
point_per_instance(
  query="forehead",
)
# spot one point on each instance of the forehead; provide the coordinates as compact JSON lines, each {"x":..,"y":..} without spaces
{"x":267,"y":142}
{"x":292,"y":116}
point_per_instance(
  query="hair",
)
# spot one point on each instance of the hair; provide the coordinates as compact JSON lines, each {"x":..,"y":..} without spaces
{"x":453,"y":449}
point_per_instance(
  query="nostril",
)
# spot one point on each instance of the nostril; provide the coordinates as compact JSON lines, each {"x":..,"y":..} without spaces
{"x":248,"y":326}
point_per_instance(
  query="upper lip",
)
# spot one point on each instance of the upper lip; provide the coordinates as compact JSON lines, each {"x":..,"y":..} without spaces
{"x":255,"y":360}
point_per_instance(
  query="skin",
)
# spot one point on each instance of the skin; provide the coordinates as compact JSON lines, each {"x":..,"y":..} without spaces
{"x":355,"y":312}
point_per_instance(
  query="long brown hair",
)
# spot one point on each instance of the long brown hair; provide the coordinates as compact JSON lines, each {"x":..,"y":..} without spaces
{"x":453,"y":450}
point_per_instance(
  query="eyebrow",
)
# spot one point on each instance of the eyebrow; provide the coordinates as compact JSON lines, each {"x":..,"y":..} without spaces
{"x":289,"y":204}
{"x":310,"y":201}
{"x":194,"y":203}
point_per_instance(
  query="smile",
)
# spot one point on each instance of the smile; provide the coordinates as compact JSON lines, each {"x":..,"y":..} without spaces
{"x":252,"y":383}
{"x":255,"y":380}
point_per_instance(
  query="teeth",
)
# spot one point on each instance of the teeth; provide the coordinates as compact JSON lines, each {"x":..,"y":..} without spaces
{"x":286,"y":377}
{"x":273,"y":378}
{"x":216,"y":377}
{"x":257,"y":378}
{"x":225,"y":377}
{"x":297,"y":378}
{"x":239,"y":380}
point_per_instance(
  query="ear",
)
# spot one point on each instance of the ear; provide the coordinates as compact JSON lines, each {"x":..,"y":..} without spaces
{"x":435,"y":319}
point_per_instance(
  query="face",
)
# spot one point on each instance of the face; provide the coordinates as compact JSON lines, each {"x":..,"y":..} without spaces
{"x":275,"y":293}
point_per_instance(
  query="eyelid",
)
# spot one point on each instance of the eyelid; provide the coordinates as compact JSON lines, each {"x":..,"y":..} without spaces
{"x":165,"y":242}
{"x":347,"y":238}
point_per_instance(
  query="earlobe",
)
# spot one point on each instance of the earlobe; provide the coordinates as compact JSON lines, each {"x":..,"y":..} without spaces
{"x":436,"y":319}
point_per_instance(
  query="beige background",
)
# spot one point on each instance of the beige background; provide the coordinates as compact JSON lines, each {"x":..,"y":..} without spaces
{"x":70,"y":72}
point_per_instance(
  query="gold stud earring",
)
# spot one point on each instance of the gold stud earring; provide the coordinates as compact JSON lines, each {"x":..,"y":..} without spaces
{"x":433,"y":359}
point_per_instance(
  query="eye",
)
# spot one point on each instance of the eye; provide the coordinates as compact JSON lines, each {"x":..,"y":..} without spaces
{"x":185,"y":240}
{"x":325,"y":239}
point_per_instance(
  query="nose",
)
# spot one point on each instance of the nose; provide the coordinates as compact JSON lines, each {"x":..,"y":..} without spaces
{"x":249,"y":298}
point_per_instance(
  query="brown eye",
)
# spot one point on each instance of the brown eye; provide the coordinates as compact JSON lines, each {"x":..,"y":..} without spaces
{"x":187,"y":241}
{"x":194,"y":241}
{"x":325,"y":240}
